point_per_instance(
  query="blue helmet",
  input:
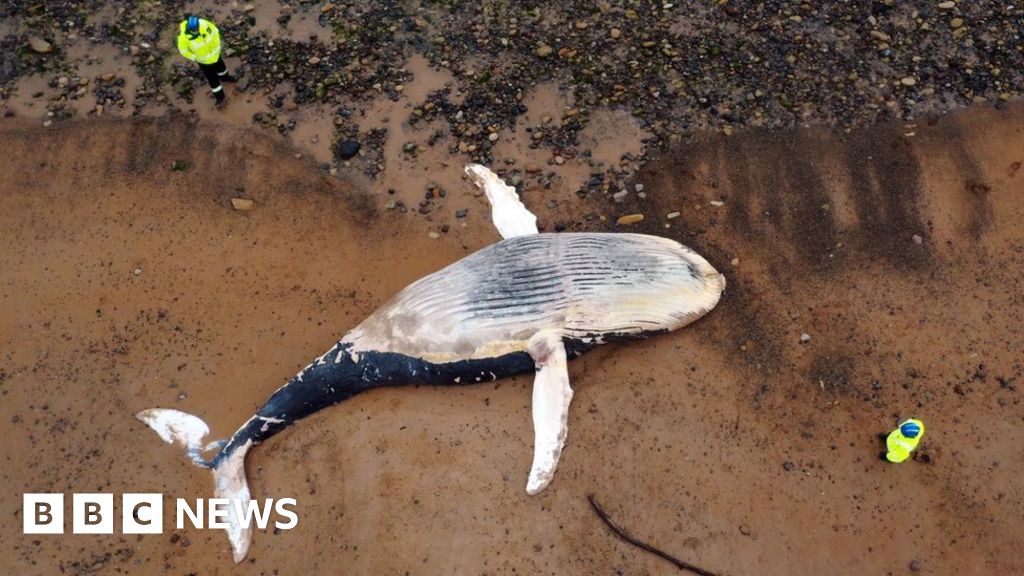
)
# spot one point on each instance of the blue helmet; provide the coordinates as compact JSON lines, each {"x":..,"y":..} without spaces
{"x":910,"y":429}
{"x":192,"y":25}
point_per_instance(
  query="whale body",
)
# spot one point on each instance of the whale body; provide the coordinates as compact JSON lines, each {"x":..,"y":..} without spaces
{"x":526,"y":304}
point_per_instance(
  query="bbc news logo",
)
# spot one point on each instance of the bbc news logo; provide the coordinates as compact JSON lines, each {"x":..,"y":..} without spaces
{"x":144,"y":513}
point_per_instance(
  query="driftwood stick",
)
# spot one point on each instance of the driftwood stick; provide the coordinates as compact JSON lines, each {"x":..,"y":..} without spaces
{"x":681,"y":564}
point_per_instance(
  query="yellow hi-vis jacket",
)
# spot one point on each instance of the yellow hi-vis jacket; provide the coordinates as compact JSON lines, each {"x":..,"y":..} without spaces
{"x":204,"y":48}
{"x":899,"y":445}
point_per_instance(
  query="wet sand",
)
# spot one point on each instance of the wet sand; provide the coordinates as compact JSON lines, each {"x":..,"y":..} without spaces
{"x":129,"y":285}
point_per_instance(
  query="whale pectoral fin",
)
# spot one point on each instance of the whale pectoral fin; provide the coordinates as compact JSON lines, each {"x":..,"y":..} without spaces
{"x":551,"y":398}
{"x":508,"y":213}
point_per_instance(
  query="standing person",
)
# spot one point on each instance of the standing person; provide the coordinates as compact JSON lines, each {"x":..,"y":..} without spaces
{"x":902,"y":441}
{"x":199,"y":41}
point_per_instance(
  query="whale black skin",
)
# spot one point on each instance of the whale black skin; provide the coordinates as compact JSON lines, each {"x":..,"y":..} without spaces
{"x":324,"y":384}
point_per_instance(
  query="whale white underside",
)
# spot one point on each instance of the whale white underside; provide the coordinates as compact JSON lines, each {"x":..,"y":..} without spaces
{"x":580,"y":285}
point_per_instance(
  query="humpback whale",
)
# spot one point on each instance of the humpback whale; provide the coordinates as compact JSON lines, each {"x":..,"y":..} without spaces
{"x":528,"y":303}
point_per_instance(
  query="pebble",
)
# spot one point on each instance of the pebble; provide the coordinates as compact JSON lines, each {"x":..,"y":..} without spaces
{"x":314,"y":60}
{"x":620,"y":195}
{"x":629,"y":219}
{"x":717,"y":203}
{"x":638,"y":187}
{"x":493,"y":136}
{"x":616,"y":33}
{"x":956,"y":22}
{"x":805,"y":338}
{"x":559,"y":160}
{"x":461,"y":213}
{"x":434,"y":235}
{"x":242,"y":203}
{"x":672,"y":215}
{"x":544,"y":50}
{"x":915,"y":565}
{"x":735,"y":262}
{"x":39,"y":45}
{"x":917,"y":239}
{"x":788,"y":466}
{"x":745,"y":529}
{"x":947,"y":5}
{"x":137,"y":271}
{"x":908,"y":81}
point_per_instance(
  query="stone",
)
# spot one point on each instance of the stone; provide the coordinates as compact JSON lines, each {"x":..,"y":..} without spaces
{"x":242,"y":204}
{"x":314,"y":60}
{"x":805,"y":338}
{"x":544,"y":50}
{"x":493,"y":136}
{"x":917,"y":239}
{"x":947,"y":5}
{"x":908,"y":81}
{"x":629,"y":219}
{"x":39,"y":45}
{"x":672,"y":215}
{"x":956,"y":22}
{"x":616,"y":33}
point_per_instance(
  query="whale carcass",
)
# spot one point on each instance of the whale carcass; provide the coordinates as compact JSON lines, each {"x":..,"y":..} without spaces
{"x":528,"y":303}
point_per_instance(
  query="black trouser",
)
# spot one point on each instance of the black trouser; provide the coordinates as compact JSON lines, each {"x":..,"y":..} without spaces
{"x":214,"y":72}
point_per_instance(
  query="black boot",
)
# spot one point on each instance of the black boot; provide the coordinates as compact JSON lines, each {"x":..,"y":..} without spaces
{"x":221,"y":99}
{"x":229,"y":78}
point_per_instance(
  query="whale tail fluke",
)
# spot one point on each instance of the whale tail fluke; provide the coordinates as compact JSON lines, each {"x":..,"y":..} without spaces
{"x":176,"y":427}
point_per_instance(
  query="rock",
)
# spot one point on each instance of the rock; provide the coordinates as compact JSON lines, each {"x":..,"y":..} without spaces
{"x":629,"y":219}
{"x":805,"y":338}
{"x":581,"y":25}
{"x":672,"y":215}
{"x":433,"y":235}
{"x":39,"y":45}
{"x":493,"y":136}
{"x":717,"y":203}
{"x":915,"y":565}
{"x":956,"y":22}
{"x":616,"y":33}
{"x":620,"y":195}
{"x":917,"y":239}
{"x":908,"y":81}
{"x":242,"y":203}
{"x":544,"y":50}
{"x":638,"y":187}
{"x":745,"y":529}
{"x":314,"y":60}
{"x":346,"y":149}
{"x":559,"y":160}
{"x":947,"y":5}
{"x":327,"y":8}
{"x":137,"y":271}
{"x":461,"y":213}
{"x":734,"y":262}
{"x":788,"y":466}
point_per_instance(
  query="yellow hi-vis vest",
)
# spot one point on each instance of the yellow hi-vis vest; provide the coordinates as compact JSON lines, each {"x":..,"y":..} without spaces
{"x":899,"y":445}
{"x":204,"y":48}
